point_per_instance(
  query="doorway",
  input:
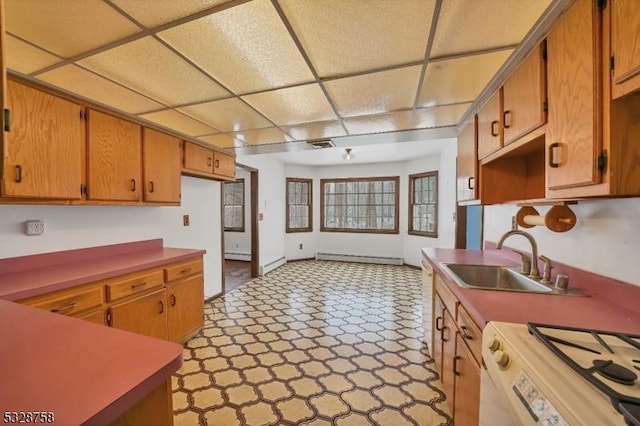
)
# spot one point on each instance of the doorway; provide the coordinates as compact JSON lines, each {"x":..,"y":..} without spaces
{"x":239,"y":209}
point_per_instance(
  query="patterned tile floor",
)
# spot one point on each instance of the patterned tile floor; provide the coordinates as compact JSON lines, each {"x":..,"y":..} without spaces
{"x":313,"y":343}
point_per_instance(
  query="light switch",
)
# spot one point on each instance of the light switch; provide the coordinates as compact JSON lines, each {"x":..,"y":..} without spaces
{"x":260,"y":216}
{"x":185,"y":220}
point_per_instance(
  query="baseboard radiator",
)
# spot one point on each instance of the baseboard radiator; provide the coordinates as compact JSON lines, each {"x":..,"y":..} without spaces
{"x":264,"y":269}
{"x":382,"y":260}
{"x":237,"y":256}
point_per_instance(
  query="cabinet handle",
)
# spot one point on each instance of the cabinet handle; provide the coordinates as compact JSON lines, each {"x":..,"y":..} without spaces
{"x":506,"y":123}
{"x":138,"y":285}
{"x":442,"y":334}
{"x":217,"y":164}
{"x":133,"y":185}
{"x":18,"y":173}
{"x":209,"y":161}
{"x":494,"y":132}
{"x":471,"y":182}
{"x":554,"y":154}
{"x":65,"y":308}
{"x":465,"y":332}
{"x":455,"y":364}
{"x":151,"y":186}
{"x":161,"y":304}
{"x":7,"y":120}
{"x":185,"y":271}
{"x":438,"y":325}
{"x":173,"y":300}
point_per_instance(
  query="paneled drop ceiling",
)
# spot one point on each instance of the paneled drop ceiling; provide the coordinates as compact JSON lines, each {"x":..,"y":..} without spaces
{"x":238,"y":74}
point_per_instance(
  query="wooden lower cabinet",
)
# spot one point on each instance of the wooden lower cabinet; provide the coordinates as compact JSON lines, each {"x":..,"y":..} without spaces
{"x":448,"y":334}
{"x":467,"y":385}
{"x":154,"y":409}
{"x":144,"y":315}
{"x":185,"y":307}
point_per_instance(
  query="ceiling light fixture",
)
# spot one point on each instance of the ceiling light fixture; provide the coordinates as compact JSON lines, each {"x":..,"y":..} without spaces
{"x":348,"y":155}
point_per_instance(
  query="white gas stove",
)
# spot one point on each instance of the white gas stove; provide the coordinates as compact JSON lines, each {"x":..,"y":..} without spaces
{"x":550,"y":375}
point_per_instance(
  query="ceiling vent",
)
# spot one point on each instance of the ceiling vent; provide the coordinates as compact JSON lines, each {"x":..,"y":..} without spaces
{"x":319,"y":144}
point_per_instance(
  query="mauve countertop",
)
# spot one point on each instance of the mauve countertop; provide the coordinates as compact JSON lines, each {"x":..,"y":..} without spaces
{"x":612,"y":305}
{"x":28,"y":276}
{"x":82,"y":372}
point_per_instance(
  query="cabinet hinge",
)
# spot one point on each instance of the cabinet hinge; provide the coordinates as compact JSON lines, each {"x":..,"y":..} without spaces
{"x":602,"y":162}
{"x":109,"y":318}
{"x":601,"y":4}
{"x":545,"y":105}
{"x":612,"y":63}
{"x":7,"y":120}
{"x":83,"y":114}
{"x":83,"y":189}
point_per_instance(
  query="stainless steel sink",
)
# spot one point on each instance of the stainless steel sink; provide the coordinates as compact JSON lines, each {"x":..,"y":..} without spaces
{"x":493,"y":277}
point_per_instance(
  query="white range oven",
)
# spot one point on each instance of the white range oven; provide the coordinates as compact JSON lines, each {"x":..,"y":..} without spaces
{"x":552,"y":375}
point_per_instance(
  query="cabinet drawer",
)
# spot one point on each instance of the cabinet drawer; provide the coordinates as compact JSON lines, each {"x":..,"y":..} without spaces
{"x":95,"y":316}
{"x":133,"y":284}
{"x":448,"y":298}
{"x":68,"y":302}
{"x":179,"y":270}
{"x":470,"y":332}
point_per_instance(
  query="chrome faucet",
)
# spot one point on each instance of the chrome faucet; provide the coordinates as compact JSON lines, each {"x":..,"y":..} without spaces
{"x":534,"y":251}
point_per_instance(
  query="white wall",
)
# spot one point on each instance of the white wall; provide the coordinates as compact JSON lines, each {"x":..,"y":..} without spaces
{"x":72,"y":227}
{"x":271,"y":200}
{"x":605,"y":240}
{"x":237,"y":245}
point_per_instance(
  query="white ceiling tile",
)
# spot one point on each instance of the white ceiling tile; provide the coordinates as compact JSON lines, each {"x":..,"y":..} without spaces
{"x":84,"y":83}
{"x":67,"y":27}
{"x":152,"y":13}
{"x":348,"y":36}
{"x":247,"y":48}
{"x":149,"y":67}
{"x":262,"y":136}
{"x":467,"y":26}
{"x":221,"y":141}
{"x":318,"y":130}
{"x":293,"y":105}
{"x":374,"y":93}
{"x":422,"y":118}
{"x":177,"y":121}
{"x":451,"y":81}
{"x":227,"y":115}
{"x":25,"y":58}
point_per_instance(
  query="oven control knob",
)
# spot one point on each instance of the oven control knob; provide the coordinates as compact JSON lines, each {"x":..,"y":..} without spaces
{"x":494,"y":344}
{"x":502,"y":359}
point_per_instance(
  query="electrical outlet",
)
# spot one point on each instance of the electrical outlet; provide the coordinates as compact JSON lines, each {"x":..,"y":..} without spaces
{"x":34,"y":227}
{"x":300,"y":246}
{"x":260,"y":216}
{"x":185,"y":220}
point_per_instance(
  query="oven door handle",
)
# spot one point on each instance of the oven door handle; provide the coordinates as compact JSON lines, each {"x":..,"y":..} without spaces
{"x":455,"y":364}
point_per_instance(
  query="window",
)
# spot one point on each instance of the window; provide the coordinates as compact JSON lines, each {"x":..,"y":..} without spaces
{"x":360,"y":205}
{"x":299,"y":205}
{"x":234,"y":206}
{"x":423,"y":204}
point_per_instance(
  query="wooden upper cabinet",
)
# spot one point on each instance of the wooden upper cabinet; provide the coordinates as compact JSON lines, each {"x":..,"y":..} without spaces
{"x":224,"y":164}
{"x":524,"y":96}
{"x":490,"y":134}
{"x":625,"y":46}
{"x":114,"y":158}
{"x":198,"y":158}
{"x":44,"y":149}
{"x":467,"y":163}
{"x":573,"y":139}
{"x":161,"y":166}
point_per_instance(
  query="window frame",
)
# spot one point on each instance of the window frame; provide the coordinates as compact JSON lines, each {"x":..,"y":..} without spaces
{"x":396,"y":225}
{"x":242,"y":228}
{"x":309,"y":182}
{"x":410,"y":228}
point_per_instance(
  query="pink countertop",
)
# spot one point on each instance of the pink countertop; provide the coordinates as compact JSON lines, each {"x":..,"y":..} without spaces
{"x":612,"y":305}
{"x":27,"y":276}
{"x":82,"y":372}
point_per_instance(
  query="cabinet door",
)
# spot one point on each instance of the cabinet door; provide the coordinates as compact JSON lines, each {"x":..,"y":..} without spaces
{"x":161,"y":166}
{"x":573,"y":141}
{"x":524,"y":95}
{"x":114,"y":158}
{"x":185,"y":300}
{"x":490,"y":126}
{"x":144,"y":315}
{"x":448,"y":356}
{"x":224,"y":164}
{"x":44,"y":150}
{"x":467,"y":163}
{"x":467,"y":386}
{"x":625,"y":46}
{"x":198,"y":158}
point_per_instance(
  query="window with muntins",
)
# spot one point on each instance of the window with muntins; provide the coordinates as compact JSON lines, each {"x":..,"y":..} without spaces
{"x":423,"y":204}
{"x":299,"y":205}
{"x":234,"y":206}
{"x":367,"y":205}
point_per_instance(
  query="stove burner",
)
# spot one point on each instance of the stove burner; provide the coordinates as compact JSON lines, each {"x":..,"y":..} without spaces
{"x":615,"y":372}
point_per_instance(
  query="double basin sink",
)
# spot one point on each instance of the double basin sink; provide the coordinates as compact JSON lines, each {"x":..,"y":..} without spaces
{"x":498,"y":277}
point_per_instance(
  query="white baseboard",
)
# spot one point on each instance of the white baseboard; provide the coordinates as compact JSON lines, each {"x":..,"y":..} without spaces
{"x":265,"y":269}
{"x":238,"y":256}
{"x":383,"y":260}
